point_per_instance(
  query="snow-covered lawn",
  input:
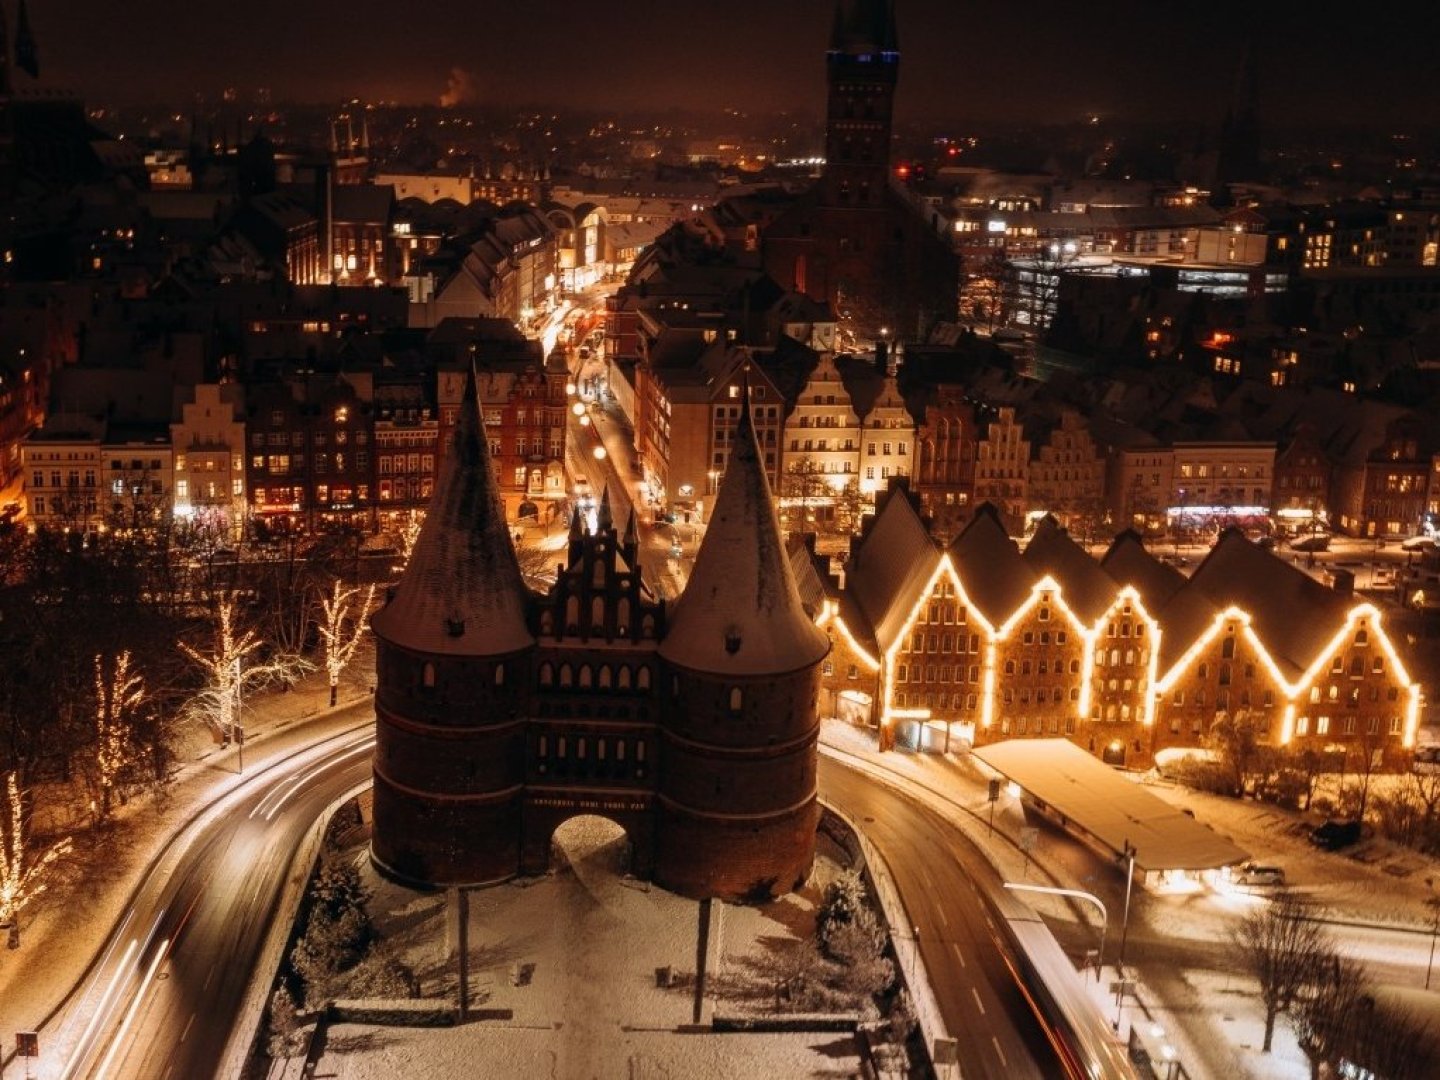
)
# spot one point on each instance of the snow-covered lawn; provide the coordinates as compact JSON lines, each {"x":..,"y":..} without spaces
{"x":585,"y":943}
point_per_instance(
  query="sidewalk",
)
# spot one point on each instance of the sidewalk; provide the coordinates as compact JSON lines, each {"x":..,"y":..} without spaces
{"x":62,"y":933}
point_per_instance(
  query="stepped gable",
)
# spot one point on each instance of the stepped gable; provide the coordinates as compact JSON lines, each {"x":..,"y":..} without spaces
{"x":1293,"y":614}
{"x":889,"y":567}
{"x":740,"y":613}
{"x":461,"y":593}
{"x":995,"y":576}
{"x":1087,"y":589}
{"x":1128,"y":563}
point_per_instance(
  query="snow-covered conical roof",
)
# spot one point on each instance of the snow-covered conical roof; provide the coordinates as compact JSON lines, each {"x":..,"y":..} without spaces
{"x":461,"y":593}
{"x":741,"y":614}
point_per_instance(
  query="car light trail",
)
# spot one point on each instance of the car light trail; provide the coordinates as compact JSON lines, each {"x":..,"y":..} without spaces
{"x":115,"y":1043}
{"x":301,"y":780}
{"x":102,"y":1009}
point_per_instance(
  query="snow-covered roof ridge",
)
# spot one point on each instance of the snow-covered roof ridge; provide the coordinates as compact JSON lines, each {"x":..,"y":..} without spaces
{"x":461,"y":593}
{"x":740,"y":613}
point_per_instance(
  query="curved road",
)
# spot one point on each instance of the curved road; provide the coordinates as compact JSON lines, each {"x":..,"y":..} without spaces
{"x":173,"y":979}
{"x":940,"y":876}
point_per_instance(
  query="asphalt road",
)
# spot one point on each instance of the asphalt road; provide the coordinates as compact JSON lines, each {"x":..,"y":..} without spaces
{"x":173,"y":977}
{"x":940,"y":876}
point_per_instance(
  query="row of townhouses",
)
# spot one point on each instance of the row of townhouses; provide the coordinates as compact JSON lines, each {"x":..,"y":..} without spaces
{"x":1123,"y":655}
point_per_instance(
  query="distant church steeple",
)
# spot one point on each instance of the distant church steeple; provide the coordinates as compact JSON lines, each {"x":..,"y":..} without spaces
{"x":1239,"y":151}
{"x":862,"y":67}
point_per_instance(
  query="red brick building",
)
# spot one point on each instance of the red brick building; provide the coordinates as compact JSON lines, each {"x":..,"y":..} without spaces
{"x":501,"y":713}
{"x":1124,"y":656}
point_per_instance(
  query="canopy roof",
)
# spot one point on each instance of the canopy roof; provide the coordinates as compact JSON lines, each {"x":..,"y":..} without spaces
{"x":1114,"y":810}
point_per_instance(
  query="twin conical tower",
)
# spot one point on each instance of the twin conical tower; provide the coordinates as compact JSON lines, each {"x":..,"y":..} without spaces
{"x":501,"y":713}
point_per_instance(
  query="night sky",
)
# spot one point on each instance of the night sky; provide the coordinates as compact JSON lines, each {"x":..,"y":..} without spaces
{"x":969,"y":59}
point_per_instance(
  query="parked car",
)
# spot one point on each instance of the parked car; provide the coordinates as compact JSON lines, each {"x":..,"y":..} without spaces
{"x":1334,"y":835}
{"x":1312,"y":542}
{"x":1422,"y":544}
{"x":1256,"y":874}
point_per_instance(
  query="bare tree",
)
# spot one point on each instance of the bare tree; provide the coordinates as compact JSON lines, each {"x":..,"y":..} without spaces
{"x":232,"y":663}
{"x":119,"y":692}
{"x":22,"y":879}
{"x":1394,"y":1043}
{"x":1233,"y":738}
{"x":1283,"y":949}
{"x":408,"y":532}
{"x":342,"y":630}
{"x":1328,"y":1010}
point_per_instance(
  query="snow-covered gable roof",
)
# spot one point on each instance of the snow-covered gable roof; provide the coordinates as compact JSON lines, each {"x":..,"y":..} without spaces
{"x":1128,"y":563}
{"x":890,"y":566}
{"x":810,"y":580}
{"x":996,"y":577}
{"x":1087,"y":589}
{"x":1294,"y":616}
{"x":740,"y":613}
{"x":461,"y":593}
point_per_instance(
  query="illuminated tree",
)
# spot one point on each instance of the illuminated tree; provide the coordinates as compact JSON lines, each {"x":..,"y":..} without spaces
{"x":21,"y":881}
{"x":341,"y":631}
{"x":410,"y":532}
{"x":232,"y":667}
{"x":118,"y":693}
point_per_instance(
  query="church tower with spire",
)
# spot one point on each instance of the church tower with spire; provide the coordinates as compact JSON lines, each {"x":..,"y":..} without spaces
{"x":738,"y":799}
{"x":454,"y":663}
{"x":862,"y":68}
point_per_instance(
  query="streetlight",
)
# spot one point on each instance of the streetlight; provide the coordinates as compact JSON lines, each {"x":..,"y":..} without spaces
{"x":1129,"y":856}
{"x":237,"y":724}
{"x":1079,"y":894}
{"x":599,"y":453}
{"x":1434,"y":904}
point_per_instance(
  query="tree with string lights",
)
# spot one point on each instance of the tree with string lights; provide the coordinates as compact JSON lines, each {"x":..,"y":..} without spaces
{"x":21,"y":879}
{"x":342,"y":630}
{"x":409,"y":533}
{"x":119,"y":692}
{"x":233,"y":666}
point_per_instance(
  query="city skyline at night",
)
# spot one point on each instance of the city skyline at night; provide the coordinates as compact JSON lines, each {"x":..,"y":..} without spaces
{"x":978,"y":61}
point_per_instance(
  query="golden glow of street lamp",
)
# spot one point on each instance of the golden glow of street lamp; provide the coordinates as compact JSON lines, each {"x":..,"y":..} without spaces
{"x":599,"y":453}
{"x":570,"y":388}
{"x":578,"y":409}
{"x":584,"y":421}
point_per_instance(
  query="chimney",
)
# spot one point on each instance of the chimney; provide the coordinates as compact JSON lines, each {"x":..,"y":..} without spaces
{"x":1343,"y":581}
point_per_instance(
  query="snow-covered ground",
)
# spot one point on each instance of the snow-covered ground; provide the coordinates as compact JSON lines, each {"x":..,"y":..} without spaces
{"x":586,"y":942}
{"x":1374,"y":893}
{"x":89,"y":889}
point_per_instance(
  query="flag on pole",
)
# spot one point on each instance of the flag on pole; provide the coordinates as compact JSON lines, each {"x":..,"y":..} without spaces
{"x":26,"y":58}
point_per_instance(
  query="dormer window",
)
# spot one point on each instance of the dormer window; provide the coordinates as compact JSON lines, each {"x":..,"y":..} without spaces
{"x":736,"y":699}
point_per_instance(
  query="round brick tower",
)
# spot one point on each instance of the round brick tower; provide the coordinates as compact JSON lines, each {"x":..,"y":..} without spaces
{"x":737,"y":792}
{"x":453,"y":661}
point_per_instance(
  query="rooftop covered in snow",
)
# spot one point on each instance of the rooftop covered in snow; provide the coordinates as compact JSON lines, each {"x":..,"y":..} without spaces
{"x":740,"y":613}
{"x":1098,"y":801}
{"x":461,"y":593}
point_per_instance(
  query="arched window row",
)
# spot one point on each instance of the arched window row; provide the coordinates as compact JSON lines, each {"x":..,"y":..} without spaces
{"x":589,"y":677}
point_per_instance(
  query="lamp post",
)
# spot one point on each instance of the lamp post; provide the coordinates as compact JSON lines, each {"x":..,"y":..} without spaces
{"x":1129,"y":856}
{"x":239,"y":725}
{"x":1434,"y":904}
{"x":1079,"y":894}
